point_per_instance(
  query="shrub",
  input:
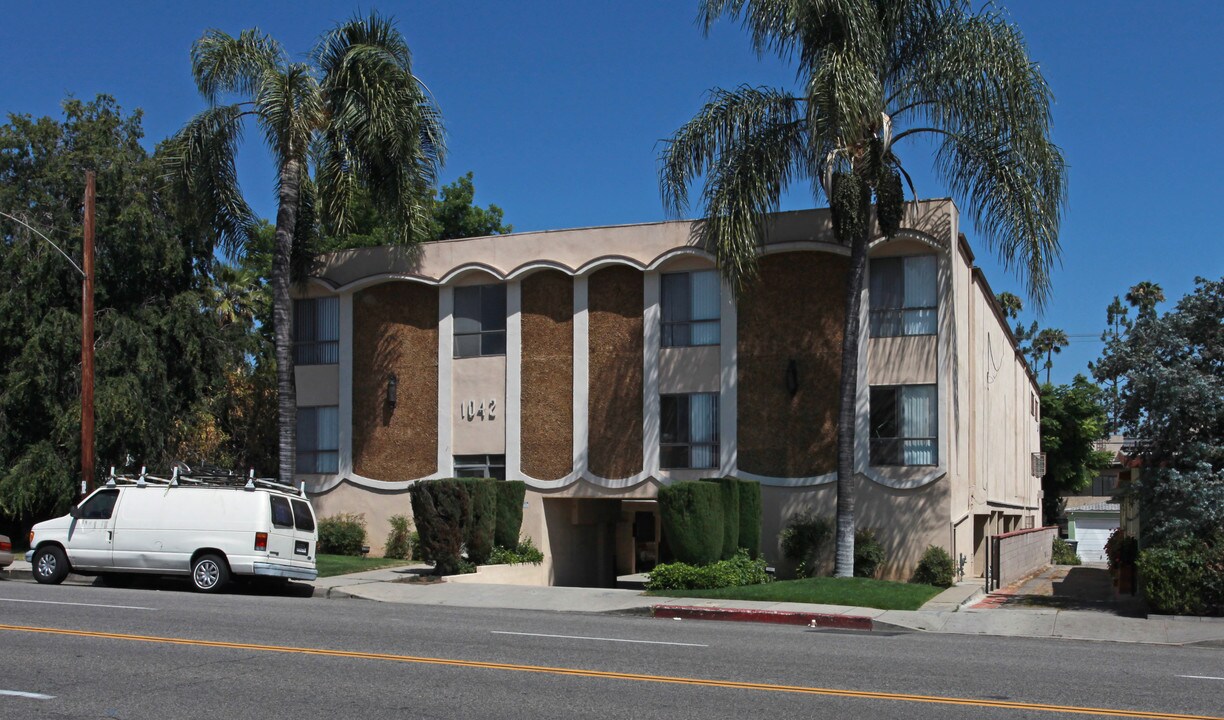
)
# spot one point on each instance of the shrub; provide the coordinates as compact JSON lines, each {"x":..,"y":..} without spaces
{"x":750,"y":517}
{"x":342,"y":534}
{"x":481,"y":524}
{"x":398,"y":544}
{"x":868,"y":553}
{"x":510,"y":494}
{"x":441,"y":509}
{"x":1186,"y":578}
{"x":414,"y":541}
{"x":1121,"y":549}
{"x":935,"y":568}
{"x":692,"y":518}
{"x":524,"y":552}
{"x":802,"y":541}
{"x":1062,"y":554}
{"x":739,"y":570}
{"x":729,"y":488}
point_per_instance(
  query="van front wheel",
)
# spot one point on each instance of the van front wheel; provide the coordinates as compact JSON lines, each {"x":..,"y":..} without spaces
{"x":209,"y":573}
{"x":50,"y":565}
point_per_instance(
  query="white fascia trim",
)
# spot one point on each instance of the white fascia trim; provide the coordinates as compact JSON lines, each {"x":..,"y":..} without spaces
{"x":652,"y":331}
{"x":446,"y":358}
{"x":345,"y":411}
{"x":582,"y":369}
{"x":514,"y":379}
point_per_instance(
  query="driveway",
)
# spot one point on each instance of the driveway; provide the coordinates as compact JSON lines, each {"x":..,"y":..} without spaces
{"x":1066,"y":587}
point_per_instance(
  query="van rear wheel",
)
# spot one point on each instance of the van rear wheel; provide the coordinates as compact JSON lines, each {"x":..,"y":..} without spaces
{"x":50,"y":565}
{"x":209,"y":573}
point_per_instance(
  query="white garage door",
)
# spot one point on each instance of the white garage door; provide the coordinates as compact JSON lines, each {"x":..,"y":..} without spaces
{"x":1092,"y":534}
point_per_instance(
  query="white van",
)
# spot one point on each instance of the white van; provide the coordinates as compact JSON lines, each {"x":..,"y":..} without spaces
{"x":211,"y":529}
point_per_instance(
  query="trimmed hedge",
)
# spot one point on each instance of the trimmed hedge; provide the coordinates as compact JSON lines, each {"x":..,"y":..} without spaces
{"x":750,"y":517}
{"x":510,"y":494}
{"x":481,"y":526}
{"x":692,"y":518}
{"x":737,"y":571}
{"x":1186,"y":578}
{"x":441,"y":509}
{"x":729,"y":488}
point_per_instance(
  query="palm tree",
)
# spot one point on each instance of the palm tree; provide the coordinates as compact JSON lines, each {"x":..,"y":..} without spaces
{"x":1011,"y":304}
{"x":1049,"y":342}
{"x":1145,"y":296}
{"x":871,"y":74}
{"x":355,"y":114}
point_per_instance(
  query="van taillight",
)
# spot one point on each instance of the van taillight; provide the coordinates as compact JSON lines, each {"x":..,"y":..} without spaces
{"x":261,"y":542}
{"x":6,"y":546}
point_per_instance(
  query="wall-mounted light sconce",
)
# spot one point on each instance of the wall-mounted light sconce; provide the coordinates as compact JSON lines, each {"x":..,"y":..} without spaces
{"x":392,"y":390}
{"x":792,"y":377}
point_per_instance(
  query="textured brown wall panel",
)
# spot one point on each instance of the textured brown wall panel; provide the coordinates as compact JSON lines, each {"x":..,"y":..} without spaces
{"x":548,"y":375}
{"x":615,"y":382}
{"x":795,"y":311}
{"x":395,"y":330}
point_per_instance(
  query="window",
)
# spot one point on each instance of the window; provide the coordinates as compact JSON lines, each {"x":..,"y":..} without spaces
{"x":688,"y":431}
{"x":282,"y":515}
{"x":903,"y":425}
{"x":690,"y":308}
{"x":303,"y":518}
{"x":480,"y":320}
{"x":486,"y":466}
{"x":318,"y":439}
{"x":99,"y":506}
{"x":316,"y":331}
{"x":902,"y":296}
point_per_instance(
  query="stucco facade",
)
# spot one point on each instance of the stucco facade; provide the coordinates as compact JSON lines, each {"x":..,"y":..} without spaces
{"x":572,"y":403}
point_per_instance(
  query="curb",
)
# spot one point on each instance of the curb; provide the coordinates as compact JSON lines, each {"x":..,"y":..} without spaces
{"x":776,"y":617}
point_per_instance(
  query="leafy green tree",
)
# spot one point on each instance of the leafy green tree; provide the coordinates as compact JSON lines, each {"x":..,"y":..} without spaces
{"x":1048,"y":343}
{"x":871,"y":75}
{"x":356,"y":114}
{"x":1116,"y":324}
{"x":1171,"y":397}
{"x":1072,"y":421}
{"x":160,"y":351}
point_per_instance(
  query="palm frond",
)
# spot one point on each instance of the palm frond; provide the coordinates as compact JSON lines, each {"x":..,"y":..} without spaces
{"x":221,"y":63}
{"x":289,"y":107}
{"x":729,"y":119}
{"x":385,"y":131}
{"x":201,"y":157}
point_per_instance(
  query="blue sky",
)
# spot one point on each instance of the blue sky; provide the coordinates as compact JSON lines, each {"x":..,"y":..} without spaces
{"x":558,"y":108}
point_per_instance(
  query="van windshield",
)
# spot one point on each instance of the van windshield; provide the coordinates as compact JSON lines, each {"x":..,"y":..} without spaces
{"x":302,"y":517}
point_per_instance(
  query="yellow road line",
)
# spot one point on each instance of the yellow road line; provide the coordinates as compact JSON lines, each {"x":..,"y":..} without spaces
{"x":798,"y":689}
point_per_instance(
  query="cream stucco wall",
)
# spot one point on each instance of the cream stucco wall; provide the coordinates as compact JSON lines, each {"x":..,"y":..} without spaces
{"x":376,"y":506}
{"x":478,"y":402}
{"x":317,"y":385}
{"x":689,"y":369}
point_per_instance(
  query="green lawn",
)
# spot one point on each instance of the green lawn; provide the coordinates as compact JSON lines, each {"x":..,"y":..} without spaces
{"x":856,"y":592}
{"x":329,"y":565}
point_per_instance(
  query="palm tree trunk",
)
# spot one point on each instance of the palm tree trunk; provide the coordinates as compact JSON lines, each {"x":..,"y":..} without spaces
{"x":282,"y":318}
{"x":847,"y":413}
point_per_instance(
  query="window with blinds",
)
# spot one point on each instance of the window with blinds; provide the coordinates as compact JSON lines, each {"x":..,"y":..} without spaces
{"x":903,"y":296}
{"x":316,"y":331}
{"x":318,"y":439}
{"x":904,"y":429}
{"x":688,"y":430}
{"x":690,"y":308}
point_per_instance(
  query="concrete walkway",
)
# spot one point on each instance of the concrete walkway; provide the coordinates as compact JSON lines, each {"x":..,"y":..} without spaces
{"x":958,"y":609}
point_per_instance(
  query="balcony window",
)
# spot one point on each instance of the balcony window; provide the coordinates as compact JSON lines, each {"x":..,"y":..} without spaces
{"x":903,"y":296}
{"x":316,"y":331}
{"x":318,"y":439}
{"x":688,"y":431}
{"x":690,"y":308}
{"x":904,"y":428}
{"x":480,"y":320}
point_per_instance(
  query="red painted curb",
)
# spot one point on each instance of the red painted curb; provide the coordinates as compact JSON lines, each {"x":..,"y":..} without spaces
{"x":777,"y":617}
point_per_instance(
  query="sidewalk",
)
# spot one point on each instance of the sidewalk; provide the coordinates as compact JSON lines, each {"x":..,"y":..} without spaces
{"x":948,"y":612}
{"x":952,"y":611}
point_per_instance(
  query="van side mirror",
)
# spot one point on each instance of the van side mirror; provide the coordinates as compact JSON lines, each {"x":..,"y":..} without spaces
{"x":75,"y":511}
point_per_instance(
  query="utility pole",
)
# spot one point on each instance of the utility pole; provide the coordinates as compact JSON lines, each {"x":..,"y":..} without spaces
{"x":87,"y":343}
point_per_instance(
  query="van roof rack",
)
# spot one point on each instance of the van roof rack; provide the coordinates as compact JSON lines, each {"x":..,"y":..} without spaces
{"x":212,"y":477}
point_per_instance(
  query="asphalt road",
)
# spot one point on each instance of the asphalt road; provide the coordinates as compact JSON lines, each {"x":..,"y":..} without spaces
{"x":165,"y":653}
